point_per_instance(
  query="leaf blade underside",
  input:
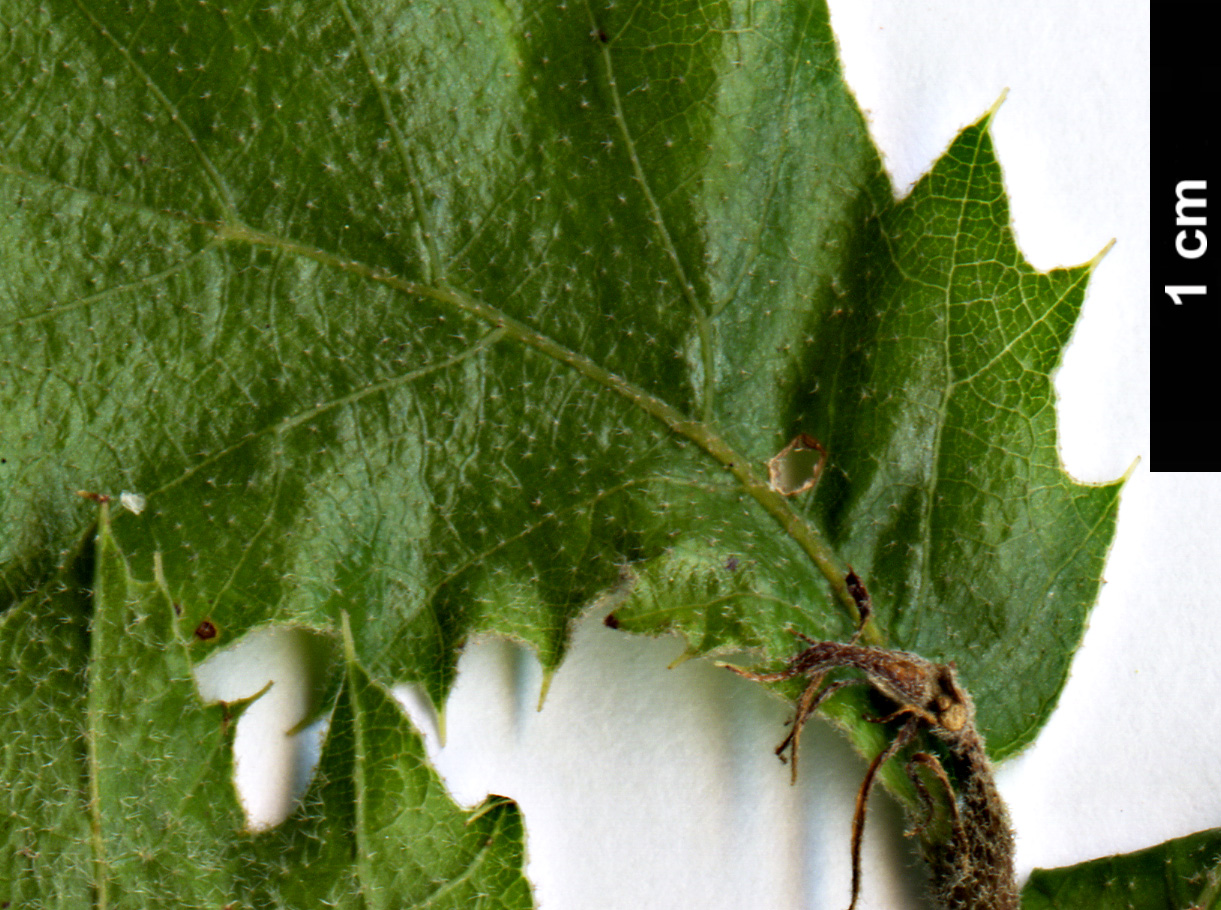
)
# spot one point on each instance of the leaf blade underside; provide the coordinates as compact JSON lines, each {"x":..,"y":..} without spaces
{"x":149,"y":816}
{"x":460,"y":342}
{"x":944,"y":490}
{"x":1181,"y":873}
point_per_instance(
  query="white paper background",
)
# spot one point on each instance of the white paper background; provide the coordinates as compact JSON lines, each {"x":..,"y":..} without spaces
{"x":652,"y":788}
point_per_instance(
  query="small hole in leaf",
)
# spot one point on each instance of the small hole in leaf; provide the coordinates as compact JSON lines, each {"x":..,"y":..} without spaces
{"x":796,"y":468}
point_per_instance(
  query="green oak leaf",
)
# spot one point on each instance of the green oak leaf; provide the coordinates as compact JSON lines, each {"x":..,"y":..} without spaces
{"x":944,"y":490}
{"x":378,"y":829}
{"x":114,"y":770}
{"x":44,"y":650}
{"x":444,"y":340}
{"x":459,"y":320}
{"x":1181,"y":874}
{"x":122,"y":791}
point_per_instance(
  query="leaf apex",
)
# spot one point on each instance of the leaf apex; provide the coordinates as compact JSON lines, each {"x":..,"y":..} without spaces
{"x":986,"y":119}
{"x":441,"y":726}
{"x":548,"y":675}
{"x":1130,"y":471}
{"x":682,"y":659}
{"x":1098,"y":257}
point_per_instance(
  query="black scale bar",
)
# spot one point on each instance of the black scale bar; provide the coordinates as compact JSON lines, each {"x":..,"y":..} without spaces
{"x":1185,"y":232}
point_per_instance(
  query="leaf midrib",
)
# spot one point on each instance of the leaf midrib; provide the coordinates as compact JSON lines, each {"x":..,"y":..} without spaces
{"x":214,"y":175}
{"x":698,"y":431}
{"x":699,"y":311}
{"x":432,"y":257}
{"x":930,"y":498}
{"x":806,"y":535}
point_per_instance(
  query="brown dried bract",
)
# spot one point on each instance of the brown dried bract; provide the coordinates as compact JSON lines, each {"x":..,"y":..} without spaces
{"x":860,"y":596}
{"x":972,"y":864}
